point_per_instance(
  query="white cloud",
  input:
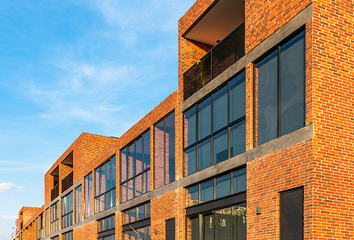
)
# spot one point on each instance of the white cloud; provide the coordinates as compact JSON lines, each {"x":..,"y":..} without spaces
{"x":7,"y":218}
{"x":6,"y":186}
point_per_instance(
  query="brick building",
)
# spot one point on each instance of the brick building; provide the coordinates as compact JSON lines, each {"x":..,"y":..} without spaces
{"x":256,"y":142}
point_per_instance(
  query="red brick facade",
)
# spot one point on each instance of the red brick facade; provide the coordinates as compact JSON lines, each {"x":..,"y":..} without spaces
{"x":321,"y":162}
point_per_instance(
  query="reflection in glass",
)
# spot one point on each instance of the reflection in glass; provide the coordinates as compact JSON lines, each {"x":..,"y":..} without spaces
{"x":209,"y":227}
{"x":223,"y":224}
{"x":139,"y":156}
{"x":223,"y":185}
{"x":204,"y":155}
{"x":159,"y":155}
{"x":207,"y":191}
{"x":237,"y":97}
{"x":237,"y":139}
{"x":170,"y":148}
{"x":220,"y":147}
{"x":191,"y":161}
{"x":195,"y":228}
{"x":193,"y":195}
{"x":190,"y":121}
{"x":239,"y":224}
{"x":239,"y":180}
{"x":204,"y":118}
{"x":220,"y":109}
{"x":146,"y":150}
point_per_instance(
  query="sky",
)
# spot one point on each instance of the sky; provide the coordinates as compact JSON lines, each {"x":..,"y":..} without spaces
{"x":73,"y":66}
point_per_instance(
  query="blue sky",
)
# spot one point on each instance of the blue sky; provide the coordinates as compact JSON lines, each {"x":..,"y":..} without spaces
{"x":73,"y":66}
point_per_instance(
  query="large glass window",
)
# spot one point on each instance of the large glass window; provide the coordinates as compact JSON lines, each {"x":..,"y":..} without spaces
{"x":54,"y":217}
{"x":105,"y":185}
{"x":292,"y":214}
{"x":105,"y":225}
{"x":165,"y":151}
{"x":221,"y":186}
{"x":78,"y":204}
{"x":39,"y":227}
{"x":222,"y":224}
{"x":135,"y":168}
{"x":67,"y":210}
{"x":47,"y":217}
{"x":214,"y":129}
{"x":88,"y":195}
{"x":137,"y":217}
{"x":281,"y":90}
{"x":68,"y":236}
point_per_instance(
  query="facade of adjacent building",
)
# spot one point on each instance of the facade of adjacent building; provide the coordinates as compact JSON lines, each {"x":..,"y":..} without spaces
{"x":256,"y":142}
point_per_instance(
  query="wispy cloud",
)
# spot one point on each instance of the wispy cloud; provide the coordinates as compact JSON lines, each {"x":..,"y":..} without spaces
{"x":7,"y":218}
{"x":7,"y":186}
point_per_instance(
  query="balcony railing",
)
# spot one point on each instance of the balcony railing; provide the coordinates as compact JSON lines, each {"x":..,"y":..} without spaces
{"x":55,"y":192}
{"x":217,"y":60}
{"x":67,"y":182}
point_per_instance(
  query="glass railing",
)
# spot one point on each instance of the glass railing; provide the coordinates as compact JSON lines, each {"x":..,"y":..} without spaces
{"x":217,"y":60}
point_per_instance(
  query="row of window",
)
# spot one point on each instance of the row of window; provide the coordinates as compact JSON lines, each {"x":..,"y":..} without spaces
{"x":137,"y":213}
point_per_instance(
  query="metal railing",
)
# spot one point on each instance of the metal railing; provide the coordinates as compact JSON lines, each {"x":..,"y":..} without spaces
{"x":67,"y":182}
{"x":217,"y":60}
{"x":54,"y":192}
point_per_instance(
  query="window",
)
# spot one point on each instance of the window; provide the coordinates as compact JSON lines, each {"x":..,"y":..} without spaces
{"x":165,"y":151}
{"x":292,"y":214}
{"x":68,"y":236}
{"x":106,"y":228}
{"x":39,"y":227}
{"x":137,"y":218}
{"x":281,"y":90}
{"x":224,"y":185}
{"x":47,"y":217}
{"x":54,"y":218}
{"x":88,"y":195}
{"x":222,"y":224}
{"x":105,"y":185}
{"x":55,"y":238}
{"x":78,"y":204}
{"x":170,"y":229}
{"x":135,"y":168}
{"x":215,"y":129}
{"x":67,"y":210}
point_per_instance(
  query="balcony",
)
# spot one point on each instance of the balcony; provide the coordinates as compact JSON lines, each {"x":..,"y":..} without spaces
{"x":217,"y":60}
{"x":54,"y":192}
{"x":67,"y":182}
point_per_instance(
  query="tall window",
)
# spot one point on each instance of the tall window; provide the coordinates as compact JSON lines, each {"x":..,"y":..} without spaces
{"x":135,"y":168}
{"x":67,"y":210}
{"x":88,"y":195}
{"x":47,"y":217}
{"x":281,"y":90}
{"x":106,"y":228}
{"x":78,"y":204}
{"x":68,"y":236}
{"x":54,"y":217}
{"x":39,"y":227}
{"x":215,"y":129}
{"x":165,"y":151}
{"x":137,"y":218}
{"x":55,"y":238}
{"x":292,"y":214}
{"x":105,"y":185}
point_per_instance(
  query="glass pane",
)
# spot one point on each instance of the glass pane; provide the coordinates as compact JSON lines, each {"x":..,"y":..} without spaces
{"x":108,"y":200}
{"x":207,"y":191}
{"x":220,"y":147}
{"x":146,"y":150}
{"x":147,"y":181}
{"x":268,"y":98}
{"x":191,"y":161}
{"x":223,"y":186}
{"x":113,"y":172}
{"x":141,"y":232}
{"x":108,"y":175}
{"x":292,"y":98}
{"x":141,"y":212}
{"x":223,"y":224}
{"x":126,"y":235}
{"x":126,"y":217}
{"x":238,"y":139}
{"x":139,"y":156}
{"x":239,"y":181}
{"x":130,"y":189}
{"x":102,"y":201}
{"x":131,"y":161}
{"x":220,"y":109}
{"x":124,"y":165}
{"x":190,"y":122}
{"x":237,"y":97}
{"x":124,"y":192}
{"x":239,"y":223}
{"x":97,"y":181}
{"x":148,"y":210}
{"x":133,"y":236}
{"x":195,"y":229}
{"x":170,"y":148}
{"x":139,"y":185}
{"x":103,"y":179}
{"x":148,"y":233}
{"x":209,"y":227}
{"x":291,"y":214}
{"x":159,"y":155}
{"x":204,"y":118}
{"x":113,"y":197}
{"x":204,"y":155}
{"x":133,"y":215}
{"x":193,"y":195}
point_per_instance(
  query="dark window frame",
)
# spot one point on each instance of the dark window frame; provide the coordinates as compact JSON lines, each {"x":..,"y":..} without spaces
{"x":111,"y":190}
{"x":67,"y":203}
{"x":145,"y":172}
{"x":212,"y":135}
{"x":164,"y":157}
{"x":54,"y":217}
